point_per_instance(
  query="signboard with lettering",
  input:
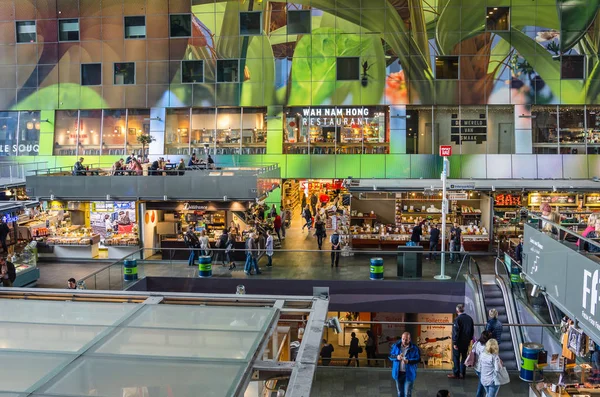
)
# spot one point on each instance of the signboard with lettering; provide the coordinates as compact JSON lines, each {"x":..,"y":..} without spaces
{"x":445,"y":150}
{"x":507,"y":200}
{"x":468,"y":130}
{"x":469,"y":186}
{"x":454,"y":196}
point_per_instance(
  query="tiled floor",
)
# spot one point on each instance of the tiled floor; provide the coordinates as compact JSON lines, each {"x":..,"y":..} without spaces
{"x":351,"y":382}
{"x":313,"y":265}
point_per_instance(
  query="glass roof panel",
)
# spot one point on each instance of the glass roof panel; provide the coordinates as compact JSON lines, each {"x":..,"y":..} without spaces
{"x":203,"y":317}
{"x":66,"y":312}
{"x":105,"y":377}
{"x":45,"y":337}
{"x":20,"y":370}
{"x":181,"y":343}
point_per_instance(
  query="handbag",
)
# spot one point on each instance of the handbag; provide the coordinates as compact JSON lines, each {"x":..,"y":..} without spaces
{"x":471,"y":358}
{"x":360,"y":349}
{"x":501,"y":376}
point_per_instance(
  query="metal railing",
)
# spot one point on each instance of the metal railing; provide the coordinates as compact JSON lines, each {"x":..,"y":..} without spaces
{"x":15,"y":173}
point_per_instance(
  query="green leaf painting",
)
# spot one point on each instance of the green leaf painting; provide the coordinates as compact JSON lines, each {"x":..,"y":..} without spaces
{"x":576,"y":16}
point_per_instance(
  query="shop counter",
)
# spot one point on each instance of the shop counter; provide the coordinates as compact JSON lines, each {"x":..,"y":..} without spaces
{"x":88,"y":251}
{"x":476,"y":242}
{"x":27,"y":275}
{"x":121,"y":251}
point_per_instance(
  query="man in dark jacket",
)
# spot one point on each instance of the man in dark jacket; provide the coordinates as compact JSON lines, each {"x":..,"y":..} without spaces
{"x":417,"y":232}
{"x":405,"y":357}
{"x":8,"y":273}
{"x":519,"y":250}
{"x":434,"y":241}
{"x":4,"y":231}
{"x":78,"y":168}
{"x":192,"y":242}
{"x":462,"y":335}
{"x":326,"y":351}
{"x":353,"y":350}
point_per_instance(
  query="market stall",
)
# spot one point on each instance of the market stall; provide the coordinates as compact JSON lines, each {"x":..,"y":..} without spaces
{"x":116,"y":223}
{"x":383,"y":220}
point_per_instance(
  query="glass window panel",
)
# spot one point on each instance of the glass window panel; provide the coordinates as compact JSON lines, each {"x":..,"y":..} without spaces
{"x":295,"y":138}
{"x":83,"y":313}
{"x":593,"y":129}
{"x":501,"y":124}
{"x":254,"y":130}
{"x":497,"y":18}
{"x":177,"y":139}
{"x":26,"y":369}
{"x":124,"y":73}
{"x":227,"y":70}
{"x":348,"y":68}
{"x":138,"y":123}
{"x":420,"y":133}
{"x":90,"y":122}
{"x":114,"y":377}
{"x":28,"y":139}
{"x":192,"y":71}
{"x":180,"y":25}
{"x":571,"y":120}
{"x":65,"y":133}
{"x":113,"y":132}
{"x":250,"y":23}
{"x":228,"y":130}
{"x":299,"y":22}
{"x":202,"y":317}
{"x":446,"y":68}
{"x":91,"y":74}
{"x":180,"y":343}
{"x":26,"y":32}
{"x":572,"y":67}
{"x":8,"y":132}
{"x":46,"y":337}
{"x":68,"y":30}
{"x":545,"y":129}
{"x":135,"y":27}
{"x":203,"y":137}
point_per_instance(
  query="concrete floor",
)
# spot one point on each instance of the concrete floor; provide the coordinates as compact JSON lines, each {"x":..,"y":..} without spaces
{"x":352,"y":382}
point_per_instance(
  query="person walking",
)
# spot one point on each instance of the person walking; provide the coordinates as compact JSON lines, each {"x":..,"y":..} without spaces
{"x":307,"y":215}
{"x":8,"y":273}
{"x":283,"y":220}
{"x":221,"y":244}
{"x":303,"y":203}
{"x":417,"y":232}
{"x":269,"y":249}
{"x":462,"y":335}
{"x":370,"y":347}
{"x":326,"y":352}
{"x":277,"y":226}
{"x":478,"y":349}
{"x":434,"y":241}
{"x":251,"y":256}
{"x":204,"y":243}
{"x":320,"y":231}
{"x":519,"y":250}
{"x":353,"y":350}
{"x":4,"y":232}
{"x":494,"y":325}
{"x":313,"y":203}
{"x":490,"y":364}
{"x":405,"y":357}
{"x":336,"y":247}
{"x":273,"y":211}
{"x":455,"y":241}
{"x":191,"y":241}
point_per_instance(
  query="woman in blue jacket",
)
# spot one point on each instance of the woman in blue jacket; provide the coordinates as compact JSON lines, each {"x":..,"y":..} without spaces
{"x":405,"y":357}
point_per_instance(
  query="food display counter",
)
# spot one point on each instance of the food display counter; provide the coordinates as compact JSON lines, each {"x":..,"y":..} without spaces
{"x":27,"y":275}
{"x":73,"y":244}
{"x":575,"y":382}
{"x":121,"y":245}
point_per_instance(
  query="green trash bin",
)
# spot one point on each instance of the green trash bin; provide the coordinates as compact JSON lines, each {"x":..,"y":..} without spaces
{"x":205,"y":266}
{"x":529,"y":359}
{"x":130,"y":270}
{"x":376,"y":269}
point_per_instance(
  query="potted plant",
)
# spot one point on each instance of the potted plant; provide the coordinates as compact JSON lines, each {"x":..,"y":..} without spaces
{"x":145,"y":140}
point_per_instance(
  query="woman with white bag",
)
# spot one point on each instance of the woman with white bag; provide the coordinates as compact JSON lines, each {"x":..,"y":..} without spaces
{"x":493,"y":373}
{"x":476,"y":351}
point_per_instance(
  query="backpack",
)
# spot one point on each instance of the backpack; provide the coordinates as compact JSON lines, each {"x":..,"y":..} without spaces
{"x":191,"y":240}
{"x":335,"y":239}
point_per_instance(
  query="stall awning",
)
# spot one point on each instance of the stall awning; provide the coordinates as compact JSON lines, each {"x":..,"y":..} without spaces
{"x":400,"y":185}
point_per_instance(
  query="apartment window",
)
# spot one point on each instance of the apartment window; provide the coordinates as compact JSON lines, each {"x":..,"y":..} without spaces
{"x":497,"y":18}
{"x":26,"y":32}
{"x":68,"y":30}
{"x":180,"y":25}
{"x":135,"y":27}
{"x":227,"y":70}
{"x":446,"y":68}
{"x":124,"y":73}
{"x":348,"y":68}
{"x":250,"y":23}
{"x":192,"y":71}
{"x":299,"y":22}
{"x":572,"y":67}
{"x":91,"y":74}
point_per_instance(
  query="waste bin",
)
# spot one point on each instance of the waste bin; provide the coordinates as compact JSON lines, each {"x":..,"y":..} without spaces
{"x":205,"y":266}
{"x":130,"y":270}
{"x":529,"y":359}
{"x":410,"y":262}
{"x":376,"y":269}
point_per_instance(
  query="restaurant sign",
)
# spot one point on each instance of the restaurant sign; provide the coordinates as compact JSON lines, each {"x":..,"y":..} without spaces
{"x":338,"y":116}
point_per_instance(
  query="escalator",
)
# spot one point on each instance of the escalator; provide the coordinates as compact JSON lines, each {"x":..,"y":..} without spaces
{"x":494,"y":299}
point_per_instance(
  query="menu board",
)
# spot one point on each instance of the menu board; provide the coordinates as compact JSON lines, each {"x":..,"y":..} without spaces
{"x":555,"y":199}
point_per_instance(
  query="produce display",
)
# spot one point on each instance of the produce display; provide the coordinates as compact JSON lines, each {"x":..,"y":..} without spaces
{"x":127,"y":239}
{"x":77,"y":237}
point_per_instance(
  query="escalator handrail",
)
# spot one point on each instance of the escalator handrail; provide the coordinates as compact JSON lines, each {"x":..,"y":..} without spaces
{"x":478,"y":286}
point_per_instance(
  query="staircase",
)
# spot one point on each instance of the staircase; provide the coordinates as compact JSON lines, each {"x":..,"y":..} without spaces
{"x":492,"y":294}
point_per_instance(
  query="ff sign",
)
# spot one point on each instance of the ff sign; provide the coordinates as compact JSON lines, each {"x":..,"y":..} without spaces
{"x":446,"y":151}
